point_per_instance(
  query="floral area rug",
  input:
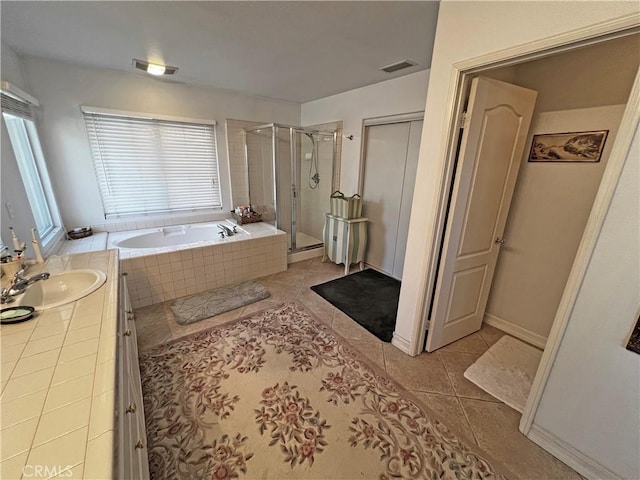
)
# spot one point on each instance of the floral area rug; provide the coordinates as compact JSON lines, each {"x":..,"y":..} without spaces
{"x":278,"y":395}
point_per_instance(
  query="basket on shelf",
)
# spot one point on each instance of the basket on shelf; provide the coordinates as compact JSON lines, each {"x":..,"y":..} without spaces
{"x":245,"y":218}
{"x":79,"y":232}
{"x":344,"y":207}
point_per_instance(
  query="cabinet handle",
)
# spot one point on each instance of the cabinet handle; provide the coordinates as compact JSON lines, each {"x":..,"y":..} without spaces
{"x":127,"y":333}
{"x":131,"y":408}
{"x":130,"y":316}
{"x":139,"y":444}
{"x":124,"y":274}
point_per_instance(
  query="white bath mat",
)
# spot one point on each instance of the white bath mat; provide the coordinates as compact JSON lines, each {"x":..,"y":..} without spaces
{"x":213,"y":302}
{"x":506,"y":371}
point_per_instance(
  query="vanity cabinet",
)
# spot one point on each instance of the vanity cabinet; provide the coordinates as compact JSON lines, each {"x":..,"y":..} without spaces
{"x":345,"y":240}
{"x":131,"y":457}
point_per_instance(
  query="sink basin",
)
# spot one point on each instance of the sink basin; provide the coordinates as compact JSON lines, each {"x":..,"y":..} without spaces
{"x":62,"y":288}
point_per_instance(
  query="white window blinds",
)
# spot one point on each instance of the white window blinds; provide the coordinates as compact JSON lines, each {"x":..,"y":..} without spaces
{"x":147,"y":165}
{"x":16,"y":107}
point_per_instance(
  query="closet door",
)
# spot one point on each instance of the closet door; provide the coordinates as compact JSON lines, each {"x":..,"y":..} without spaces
{"x":413,"y":148}
{"x":385,"y":159}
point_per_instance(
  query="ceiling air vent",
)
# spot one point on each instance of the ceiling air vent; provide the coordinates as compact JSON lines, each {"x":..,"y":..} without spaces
{"x":394,"y":67}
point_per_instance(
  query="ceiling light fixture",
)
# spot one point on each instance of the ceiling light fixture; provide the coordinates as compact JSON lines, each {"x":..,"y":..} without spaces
{"x":154,"y":68}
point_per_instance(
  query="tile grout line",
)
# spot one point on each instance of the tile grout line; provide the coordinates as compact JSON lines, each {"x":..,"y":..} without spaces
{"x":50,"y":382}
{"x":466,"y":417}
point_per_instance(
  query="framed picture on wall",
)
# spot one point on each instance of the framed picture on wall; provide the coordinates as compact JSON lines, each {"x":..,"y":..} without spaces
{"x":634,"y":340}
{"x":568,"y":147}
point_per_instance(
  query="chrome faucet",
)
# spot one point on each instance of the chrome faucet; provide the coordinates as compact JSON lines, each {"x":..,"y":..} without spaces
{"x":226,"y":231}
{"x":20,"y":284}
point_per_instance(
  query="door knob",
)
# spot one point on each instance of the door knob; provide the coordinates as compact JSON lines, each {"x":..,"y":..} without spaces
{"x":500,"y":240}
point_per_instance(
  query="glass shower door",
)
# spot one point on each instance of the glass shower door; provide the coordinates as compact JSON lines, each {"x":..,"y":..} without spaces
{"x":290,"y":177}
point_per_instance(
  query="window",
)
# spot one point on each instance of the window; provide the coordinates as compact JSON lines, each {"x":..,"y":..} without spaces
{"x":31,"y":164}
{"x":152,"y":165}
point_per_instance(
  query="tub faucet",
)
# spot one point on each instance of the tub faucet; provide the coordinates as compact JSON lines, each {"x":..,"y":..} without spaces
{"x":226,"y":231}
{"x":20,"y":284}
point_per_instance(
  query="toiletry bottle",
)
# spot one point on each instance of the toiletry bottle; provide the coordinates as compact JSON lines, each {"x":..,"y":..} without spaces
{"x":14,"y":238}
{"x":36,"y":246}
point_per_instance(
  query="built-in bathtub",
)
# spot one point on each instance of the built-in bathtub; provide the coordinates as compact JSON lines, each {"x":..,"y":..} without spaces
{"x":171,"y":262}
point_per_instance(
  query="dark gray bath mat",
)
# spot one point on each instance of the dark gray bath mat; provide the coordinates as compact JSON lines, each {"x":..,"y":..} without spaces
{"x":369,"y":297}
{"x":213,"y":302}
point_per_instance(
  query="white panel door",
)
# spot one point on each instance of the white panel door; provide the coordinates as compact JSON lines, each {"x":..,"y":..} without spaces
{"x":385,"y":159}
{"x":493,"y":141}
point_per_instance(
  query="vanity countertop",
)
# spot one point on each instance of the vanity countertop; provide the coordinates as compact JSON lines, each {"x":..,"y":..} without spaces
{"x":58,"y":381}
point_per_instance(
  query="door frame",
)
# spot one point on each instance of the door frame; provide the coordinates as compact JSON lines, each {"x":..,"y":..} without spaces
{"x":462,"y":74}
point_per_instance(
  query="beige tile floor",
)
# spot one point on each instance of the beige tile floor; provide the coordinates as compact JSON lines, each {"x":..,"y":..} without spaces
{"x":435,"y":378}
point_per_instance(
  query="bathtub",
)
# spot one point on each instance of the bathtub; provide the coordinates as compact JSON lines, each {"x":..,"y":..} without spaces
{"x":180,"y":235}
{"x":171,"y":262}
{"x":138,"y":243}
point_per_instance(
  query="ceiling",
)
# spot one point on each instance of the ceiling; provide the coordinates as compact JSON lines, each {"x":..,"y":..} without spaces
{"x":296,"y":51}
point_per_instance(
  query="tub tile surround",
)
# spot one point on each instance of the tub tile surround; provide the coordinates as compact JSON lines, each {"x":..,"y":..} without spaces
{"x":157,"y":221}
{"x":58,"y":381}
{"x":237,"y":161}
{"x":94,"y":243}
{"x":158,"y":275}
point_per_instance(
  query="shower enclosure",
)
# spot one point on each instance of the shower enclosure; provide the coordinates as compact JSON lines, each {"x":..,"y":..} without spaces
{"x":291,"y":177}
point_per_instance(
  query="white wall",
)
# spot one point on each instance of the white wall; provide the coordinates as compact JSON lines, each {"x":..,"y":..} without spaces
{"x":314,"y":202}
{"x":549,"y":211}
{"x":237,"y":161}
{"x":61,"y":88}
{"x":579,"y":90}
{"x":489,"y":27}
{"x":400,"y":95}
{"x":12,"y":187}
{"x":592,"y":398}
{"x":492,"y":26}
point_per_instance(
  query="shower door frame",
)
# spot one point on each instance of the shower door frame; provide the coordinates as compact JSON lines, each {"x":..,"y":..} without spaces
{"x":293,"y":158}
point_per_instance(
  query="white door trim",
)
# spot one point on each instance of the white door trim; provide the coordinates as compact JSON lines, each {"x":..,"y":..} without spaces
{"x":461,"y":75}
{"x":584,"y":465}
{"x":401,"y":117}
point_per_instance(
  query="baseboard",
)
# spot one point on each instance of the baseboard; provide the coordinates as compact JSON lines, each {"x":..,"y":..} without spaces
{"x":515,"y":330}
{"x":564,"y":452}
{"x":305,"y":255}
{"x":401,"y":343}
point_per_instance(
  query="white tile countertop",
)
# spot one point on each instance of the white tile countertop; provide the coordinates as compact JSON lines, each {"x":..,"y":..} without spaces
{"x":58,"y":382}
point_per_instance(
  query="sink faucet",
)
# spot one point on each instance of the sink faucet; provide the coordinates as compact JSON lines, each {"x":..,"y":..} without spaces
{"x":20,"y":284}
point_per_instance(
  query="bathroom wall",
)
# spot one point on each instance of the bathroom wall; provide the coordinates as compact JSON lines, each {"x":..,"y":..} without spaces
{"x":581,"y":90}
{"x":548,"y":214}
{"x":237,"y":161}
{"x":400,"y":95}
{"x":591,"y":402}
{"x":63,"y":87}
{"x":12,"y":187}
{"x":314,"y":202}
